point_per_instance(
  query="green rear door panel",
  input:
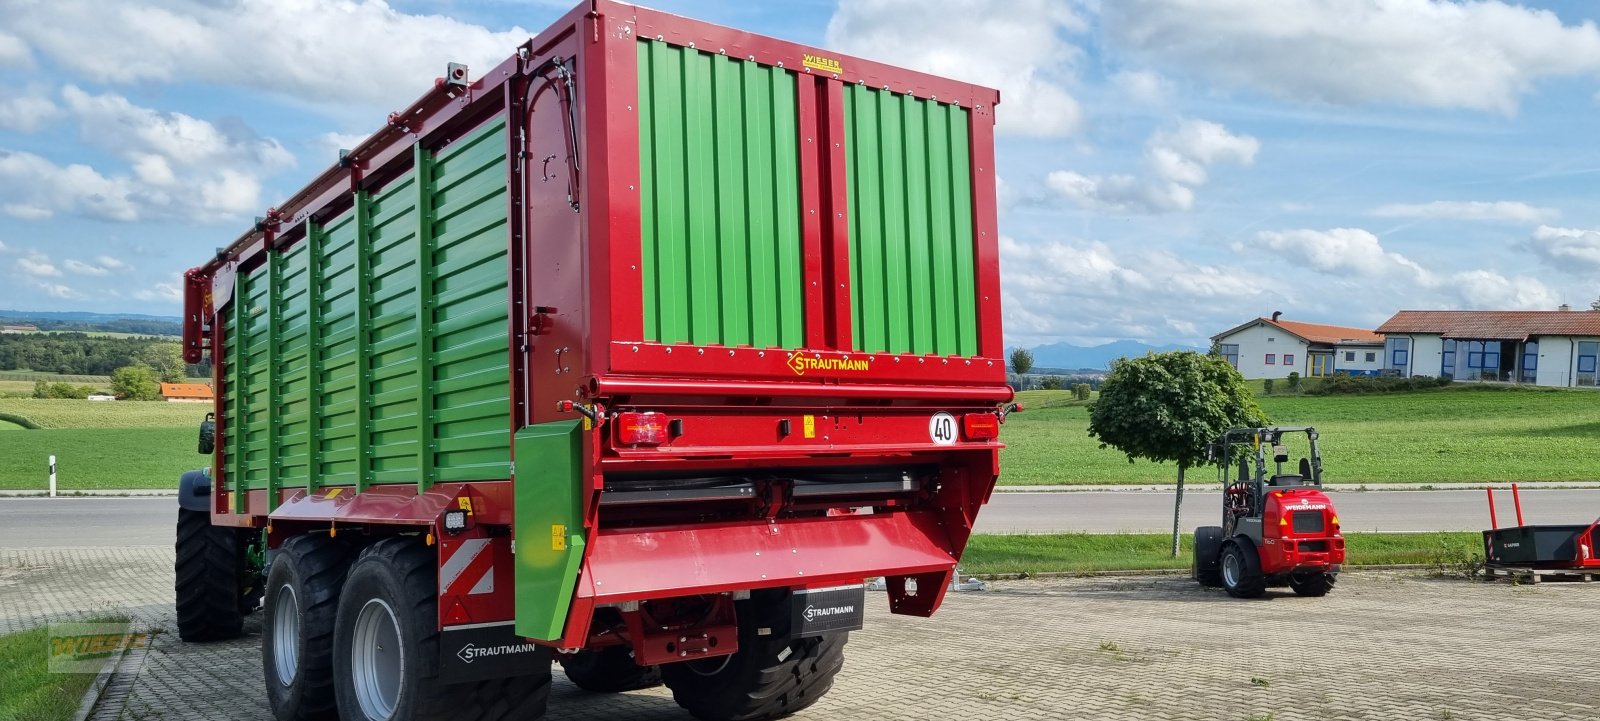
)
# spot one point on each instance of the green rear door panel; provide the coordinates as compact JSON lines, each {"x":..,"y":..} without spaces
{"x":720,"y":200}
{"x":375,"y":349}
{"x":549,"y":525}
{"x":908,"y":174}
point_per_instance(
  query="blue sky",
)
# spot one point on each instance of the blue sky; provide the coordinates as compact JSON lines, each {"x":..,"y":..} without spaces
{"x":1169,"y":168}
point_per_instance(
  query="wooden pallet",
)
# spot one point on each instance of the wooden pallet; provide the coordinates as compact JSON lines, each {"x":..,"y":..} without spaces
{"x":1520,"y":574}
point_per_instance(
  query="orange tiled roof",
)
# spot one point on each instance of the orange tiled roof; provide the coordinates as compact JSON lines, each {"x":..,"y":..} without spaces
{"x":1313,"y":332}
{"x":185,"y":390}
{"x":1494,"y":324}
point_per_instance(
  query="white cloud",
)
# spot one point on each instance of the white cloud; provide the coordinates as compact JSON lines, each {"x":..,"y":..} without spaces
{"x":327,"y":56}
{"x":110,"y":263}
{"x":13,"y":52}
{"x":79,"y":267}
{"x":1088,"y":291}
{"x":160,"y":292}
{"x":1340,"y":251}
{"x":1507,"y":211}
{"x":26,"y":112}
{"x":23,"y":211}
{"x":47,"y":188}
{"x":1179,"y":158}
{"x":1143,"y":86}
{"x":57,"y":290}
{"x":38,"y":265}
{"x":1016,"y":47}
{"x":1570,"y":249}
{"x":1478,"y":55}
{"x":1357,"y":260}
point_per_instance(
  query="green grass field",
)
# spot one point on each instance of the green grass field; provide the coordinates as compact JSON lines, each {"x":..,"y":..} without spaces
{"x":30,"y":376}
{"x":124,"y":444}
{"x":1092,"y":552}
{"x":57,"y":413}
{"x":1464,"y":433}
{"x":30,"y":691}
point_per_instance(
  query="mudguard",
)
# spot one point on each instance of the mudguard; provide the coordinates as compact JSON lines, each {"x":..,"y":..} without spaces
{"x":194,"y":491}
{"x":549,"y":525}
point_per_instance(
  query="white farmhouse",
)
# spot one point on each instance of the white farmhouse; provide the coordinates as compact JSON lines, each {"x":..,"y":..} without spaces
{"x":1540,"y":347}
{"x":1274,"y":348}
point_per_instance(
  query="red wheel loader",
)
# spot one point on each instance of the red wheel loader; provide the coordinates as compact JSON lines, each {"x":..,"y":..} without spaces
{"x":1278,"y":528}
{"x":640,"y":351}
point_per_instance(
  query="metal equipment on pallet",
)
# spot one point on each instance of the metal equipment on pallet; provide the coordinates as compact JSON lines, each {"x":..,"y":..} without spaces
{"x":1568,"y":549}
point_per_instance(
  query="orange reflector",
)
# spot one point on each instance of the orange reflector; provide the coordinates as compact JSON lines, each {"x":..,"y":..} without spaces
{"x":980,"y":426}
{"x":1283,"y":520}
{"x":642,"y":429}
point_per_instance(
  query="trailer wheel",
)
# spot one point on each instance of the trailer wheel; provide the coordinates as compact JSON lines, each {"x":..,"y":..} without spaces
{"x":297,"y":626}
{"x":1314,"y":584}
{"x":386,"y":648}
{"x":1208,"y":556}
{"x":1241,"y":571}
{"x":609,"y":670}
{"x":772,"y":675}
{"x":214,"y":588}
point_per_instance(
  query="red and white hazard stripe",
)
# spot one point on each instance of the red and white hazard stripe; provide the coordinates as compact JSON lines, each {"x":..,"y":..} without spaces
{"x":467,"y":568}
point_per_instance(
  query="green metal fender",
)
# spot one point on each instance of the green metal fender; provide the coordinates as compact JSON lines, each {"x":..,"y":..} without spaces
{"x":549,"y":525}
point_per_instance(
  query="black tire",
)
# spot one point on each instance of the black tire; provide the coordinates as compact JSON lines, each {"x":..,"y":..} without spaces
{"x":1241,"y":571}
{"x":297,"y":651}
{"x":1208,"y":556}
{"x":214,"y":589}
{"x":396,"y":578}
{"x":609,"y":670}
{"x":1315,"y":584}
{"x":772,"y":675}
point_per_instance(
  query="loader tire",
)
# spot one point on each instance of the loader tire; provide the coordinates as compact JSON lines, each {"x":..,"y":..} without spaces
{"x":386,"y":648}
{"x":1315,"y":584}
{"x":772,"y":674}
{"x":297,"y":626}
{"x":1208,"y":556}
{"x":1241,"y":570}
{"x":214,"y":591}
{"x":609,"y":670}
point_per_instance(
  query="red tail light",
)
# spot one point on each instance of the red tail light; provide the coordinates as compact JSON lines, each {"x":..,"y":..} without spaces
{"x":980,"y":426}
{"x":641,"y":429}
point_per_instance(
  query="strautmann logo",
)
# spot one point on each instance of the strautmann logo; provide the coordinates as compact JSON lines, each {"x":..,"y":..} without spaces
{"x":802,"y":364}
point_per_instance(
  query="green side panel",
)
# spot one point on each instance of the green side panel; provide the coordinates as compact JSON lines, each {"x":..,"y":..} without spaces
{"x":720,"y":200}
{"x":375,"y":350}
{"x":908,"y":175}
{"x":549,"y":525}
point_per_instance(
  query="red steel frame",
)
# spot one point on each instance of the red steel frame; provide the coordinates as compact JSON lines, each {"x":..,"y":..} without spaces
{"x":599,"y":40}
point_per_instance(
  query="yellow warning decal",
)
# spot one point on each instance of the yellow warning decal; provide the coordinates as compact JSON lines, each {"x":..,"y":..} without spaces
{"x":809,"y":426}
{"x":333,"y":492}
{"x":827,"y":65}
{"x":558,"y":537}
{"x":465,"y":504}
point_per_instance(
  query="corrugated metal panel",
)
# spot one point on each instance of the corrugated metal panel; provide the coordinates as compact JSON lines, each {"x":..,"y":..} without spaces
{"x":909,"y":177}
{"x":720,"y":202}
{"x":375,"y":350}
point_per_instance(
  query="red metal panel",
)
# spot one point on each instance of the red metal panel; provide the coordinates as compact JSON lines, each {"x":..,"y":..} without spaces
{"x":986,"y":232}
{"x":613,"y":386}
{"x":610,"y":89}
{"x":811,"y":225}
{"x":639,"y":564}
{"x":719,"y":362}
{"x":837,"y":207}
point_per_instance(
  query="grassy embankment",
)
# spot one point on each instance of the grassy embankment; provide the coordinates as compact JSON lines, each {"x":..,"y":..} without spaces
{"x":123,"y":444}
{"x":1457,"y":434}
{"x":1092,"y":552}
{"x":30,"y":692}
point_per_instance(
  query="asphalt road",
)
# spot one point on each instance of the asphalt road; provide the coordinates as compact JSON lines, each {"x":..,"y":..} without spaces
{"x":114,"y":522}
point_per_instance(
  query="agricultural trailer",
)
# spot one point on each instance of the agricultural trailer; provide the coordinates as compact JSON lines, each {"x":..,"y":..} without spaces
{"x":640,"y":350}
{"x":1539,"y":550}
{"x":1277,"y":528}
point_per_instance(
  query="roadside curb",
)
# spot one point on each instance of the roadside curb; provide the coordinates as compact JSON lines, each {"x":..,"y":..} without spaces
{"x":102,"y":681}
{"x":1331,"y":487}
{"x":107,"y":493}
{"x":1046,"y":575}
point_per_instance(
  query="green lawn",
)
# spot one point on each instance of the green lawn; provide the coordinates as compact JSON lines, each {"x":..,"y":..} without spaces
{"x":1091,"y":552}
{"x":28,"y":690}
{"x":1463,"y":433}
{"x":6,"y":425}
{"x":98,"y":445}
{"x":61,"y":413}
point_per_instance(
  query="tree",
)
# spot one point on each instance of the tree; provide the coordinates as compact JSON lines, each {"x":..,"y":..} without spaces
{"x":1021,"y":363}
{"x":1594,"y":304}
{"x":136,"y":383}
{"x":1051,"y":383}
{"x":1170,"y":407}
{"x":166,"y":359}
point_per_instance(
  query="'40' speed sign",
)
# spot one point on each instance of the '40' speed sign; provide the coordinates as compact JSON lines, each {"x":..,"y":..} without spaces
{"x":942,"y":429}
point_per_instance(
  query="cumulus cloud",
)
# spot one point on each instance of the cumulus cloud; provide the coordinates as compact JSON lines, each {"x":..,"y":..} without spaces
{"x":179,"y":166}
{"x":1573,"y":250}
{"x":1142,"y":86}
{"x":1430,"y":53}
{"x":1356,"y":259}
{"x":38,"y":265}
{"x":328,"y":55}
{"x":13,"y":52}
{"x":1178,"y":159}
{"x":98,"y":268}
{"x":1505,"y":211}
{"x":26,"y":112}
{"x":160,"y":292}
{"x":1016,"y":47}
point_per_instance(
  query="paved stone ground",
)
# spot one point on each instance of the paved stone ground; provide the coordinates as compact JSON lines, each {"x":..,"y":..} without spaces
{"x":1383,"y":646}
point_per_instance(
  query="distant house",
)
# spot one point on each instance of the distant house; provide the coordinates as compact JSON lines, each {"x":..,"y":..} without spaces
{"x":186,"y":392}
{"x":1274,"y":348}
{"x":1541,"y":347}
{"x":101,"y":397}
{"x":19,"y":329}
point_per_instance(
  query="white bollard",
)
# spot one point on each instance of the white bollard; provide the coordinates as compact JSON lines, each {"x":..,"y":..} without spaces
{"x":52,"y":476}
